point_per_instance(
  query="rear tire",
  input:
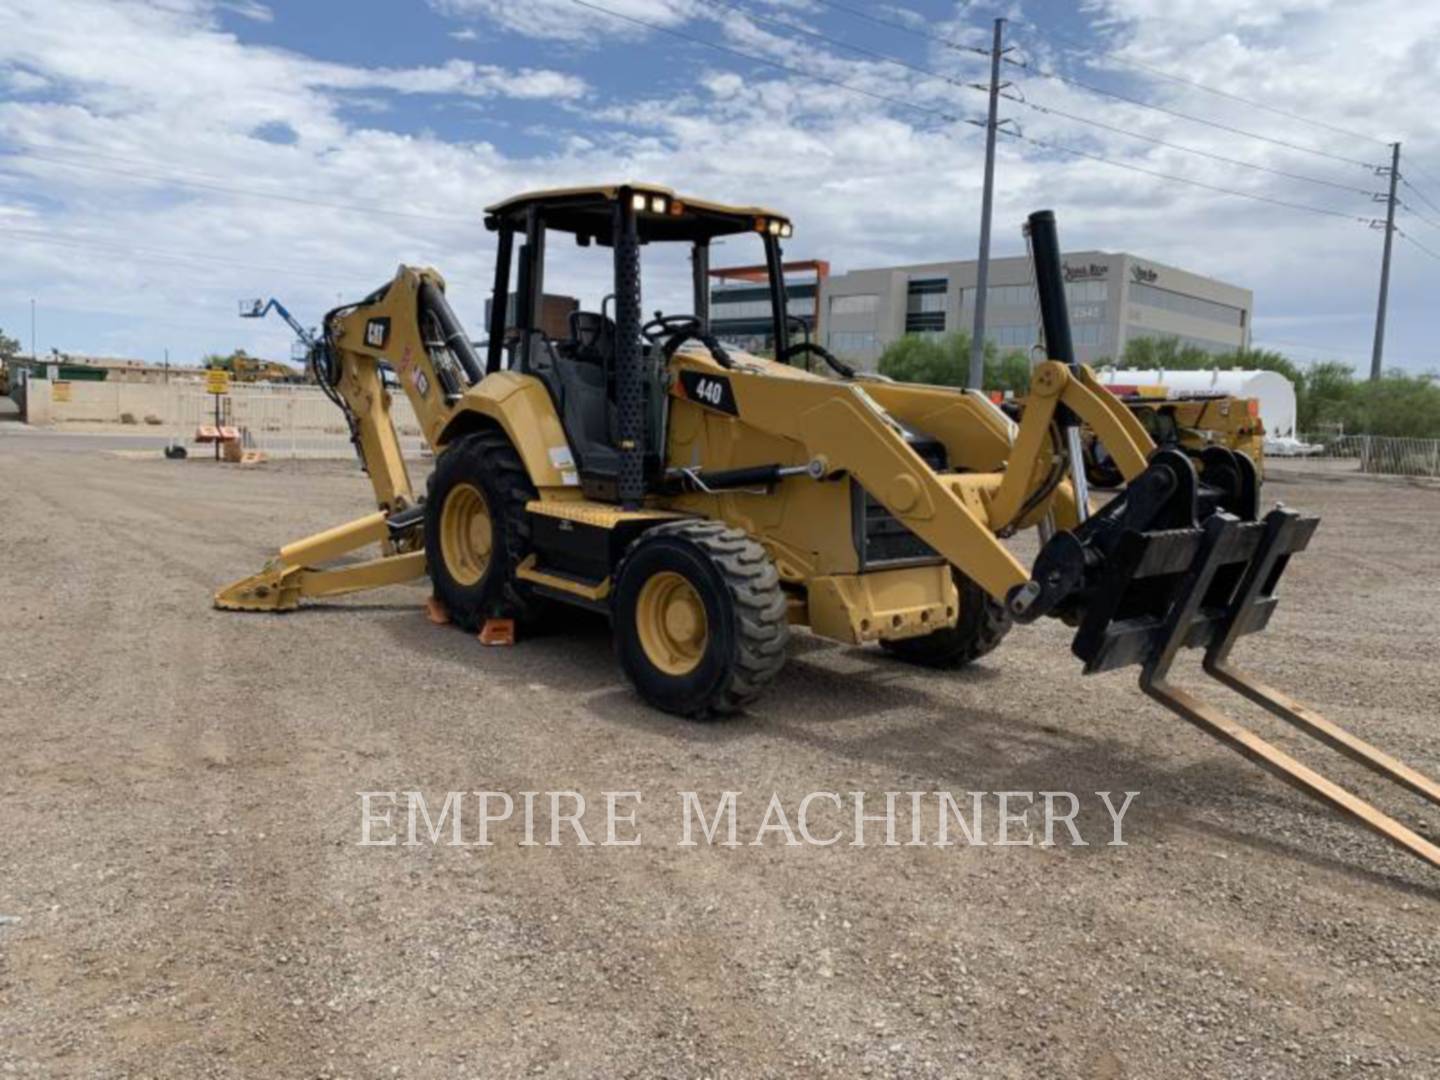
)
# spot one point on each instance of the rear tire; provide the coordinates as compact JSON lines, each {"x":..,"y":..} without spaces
{"x":700,"y":620}
{"x":980,"y":626}
{"x":477,"y":530}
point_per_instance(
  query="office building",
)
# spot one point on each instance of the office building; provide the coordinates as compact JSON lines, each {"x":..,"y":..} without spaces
{"x":1115,"y":297}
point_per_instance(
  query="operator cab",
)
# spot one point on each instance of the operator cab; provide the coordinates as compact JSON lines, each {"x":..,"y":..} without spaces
{"x":608,"y":374}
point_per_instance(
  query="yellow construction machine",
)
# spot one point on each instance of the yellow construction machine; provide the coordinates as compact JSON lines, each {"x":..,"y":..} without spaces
{"x":707,"y":500}
{"x":1191,"y":424}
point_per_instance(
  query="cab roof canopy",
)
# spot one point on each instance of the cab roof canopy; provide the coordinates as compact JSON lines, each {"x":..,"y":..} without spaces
{"x":660,"y":214}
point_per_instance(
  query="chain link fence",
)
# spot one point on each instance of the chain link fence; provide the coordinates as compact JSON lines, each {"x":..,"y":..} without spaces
{"x":1381,"y":455}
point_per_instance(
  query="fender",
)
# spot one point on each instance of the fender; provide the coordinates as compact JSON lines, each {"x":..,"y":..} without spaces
{"x":523,"y":409}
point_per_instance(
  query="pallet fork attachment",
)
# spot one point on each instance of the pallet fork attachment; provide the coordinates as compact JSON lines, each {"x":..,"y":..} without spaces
{"x":1212,"y":607}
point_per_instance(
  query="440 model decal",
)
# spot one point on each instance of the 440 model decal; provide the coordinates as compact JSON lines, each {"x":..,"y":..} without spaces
{"x":711,"y":391}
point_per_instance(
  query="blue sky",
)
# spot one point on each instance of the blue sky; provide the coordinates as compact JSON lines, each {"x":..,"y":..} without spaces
{"x":159,"y":161}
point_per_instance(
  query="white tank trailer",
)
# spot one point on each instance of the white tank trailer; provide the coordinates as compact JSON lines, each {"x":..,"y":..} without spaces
{"x":1274,"y":392}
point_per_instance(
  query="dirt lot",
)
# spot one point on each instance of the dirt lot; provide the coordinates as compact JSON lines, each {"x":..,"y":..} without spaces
{"x":185,"y":895}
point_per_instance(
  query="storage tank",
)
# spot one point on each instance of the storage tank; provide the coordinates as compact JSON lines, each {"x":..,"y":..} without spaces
{"x":1274,"y":392}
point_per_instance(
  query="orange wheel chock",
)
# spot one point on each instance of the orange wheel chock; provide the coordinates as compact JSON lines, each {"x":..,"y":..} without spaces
{"x":498,"y":632}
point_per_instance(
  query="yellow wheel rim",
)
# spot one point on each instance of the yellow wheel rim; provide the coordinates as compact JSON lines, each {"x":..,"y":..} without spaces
{"x":466,"y":534}
{"x":670,"y":620}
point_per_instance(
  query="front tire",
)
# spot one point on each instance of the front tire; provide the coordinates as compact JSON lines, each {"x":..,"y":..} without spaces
{"x":700,"y":619}
{"x":978,"y":629}
{"x":477,"y":530}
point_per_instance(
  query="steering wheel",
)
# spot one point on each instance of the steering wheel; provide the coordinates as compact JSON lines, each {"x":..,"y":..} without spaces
{"x":839,"y":366}
{"x":667,"y":325}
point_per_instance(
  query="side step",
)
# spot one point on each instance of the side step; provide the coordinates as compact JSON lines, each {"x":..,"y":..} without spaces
{"x":1228,"y":591}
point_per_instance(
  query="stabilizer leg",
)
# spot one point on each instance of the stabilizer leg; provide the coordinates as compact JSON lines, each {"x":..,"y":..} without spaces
{"x":291,"y":576}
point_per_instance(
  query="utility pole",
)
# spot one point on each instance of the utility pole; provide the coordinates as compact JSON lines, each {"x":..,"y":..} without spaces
{"x":987,"y":203}
{"x":1377,"y":356}
{"x":32,"y":330}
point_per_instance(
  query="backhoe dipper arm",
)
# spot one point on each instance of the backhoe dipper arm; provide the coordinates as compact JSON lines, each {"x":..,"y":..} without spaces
{"x":408,"y":325}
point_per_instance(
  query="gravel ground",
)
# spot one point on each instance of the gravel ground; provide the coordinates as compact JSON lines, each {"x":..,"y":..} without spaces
{"x":183,"y":893}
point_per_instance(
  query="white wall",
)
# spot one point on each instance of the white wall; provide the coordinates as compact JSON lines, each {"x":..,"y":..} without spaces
{"x":284,"y":421}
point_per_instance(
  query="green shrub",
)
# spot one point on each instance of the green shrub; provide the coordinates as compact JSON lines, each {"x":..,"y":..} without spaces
{"x":946,"y":362}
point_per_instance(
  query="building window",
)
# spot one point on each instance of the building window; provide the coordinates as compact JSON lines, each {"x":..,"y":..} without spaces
{"x":929,"y":322}
{"x":1079,"y":292}
{"x":925,"y":306}
{"x":1020,"y":336}
{"x":744,"y":309}
{"x":858,"y":304}
{"x":1194,"y":306}
{"x":852,"y":343}
{"x":1010,"y":296}
{"x":1145,"y":333}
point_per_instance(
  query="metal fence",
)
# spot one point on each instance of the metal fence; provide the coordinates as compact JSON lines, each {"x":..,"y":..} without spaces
{"x":282,"y":421}
{"x":1378,"y":454}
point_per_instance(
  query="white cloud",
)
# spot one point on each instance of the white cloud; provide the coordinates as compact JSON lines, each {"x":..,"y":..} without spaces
{"x":453,"y":77}
{"x":25,"y":82}
{"x":565,"y":20}
{"x":249,"y":9}
{"x":164,"y":91}
{"x":467,"y":33}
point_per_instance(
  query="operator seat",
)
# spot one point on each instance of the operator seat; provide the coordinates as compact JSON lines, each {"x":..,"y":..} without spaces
{"x":582,"y":371}
{"x":593,"y":335}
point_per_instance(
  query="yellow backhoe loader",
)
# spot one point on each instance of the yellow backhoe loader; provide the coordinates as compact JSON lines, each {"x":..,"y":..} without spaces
{"x":708,"y":500}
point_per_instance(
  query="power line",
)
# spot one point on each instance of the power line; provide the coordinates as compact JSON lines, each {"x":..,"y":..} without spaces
{"x":1428,"y":201}
{"x":1039,"y":107}
{"x":858,"y":49}
{"x":1084,"y":50}
{"x":228,"y":189}
{"x":1328,"y":212}
{"x":801,"y":73}
{"x":1428,"y":251}
{"x":1410,"y":209}
{"x":1079,"y":84}
{"x":895,"y":24}
{"x":1044,"y":32}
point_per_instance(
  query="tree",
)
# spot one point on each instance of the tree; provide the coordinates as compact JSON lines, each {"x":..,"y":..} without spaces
{"x":918,"y":359}
{"x":946,"y":362}
{"x":223,"y":363}
{"x":9,"y":347}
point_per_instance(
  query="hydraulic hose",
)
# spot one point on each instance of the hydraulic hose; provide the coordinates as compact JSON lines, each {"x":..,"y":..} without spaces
{"x":433,"y":300}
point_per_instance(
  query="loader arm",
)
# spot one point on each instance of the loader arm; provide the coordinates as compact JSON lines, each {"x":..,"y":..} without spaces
{"x":960,"y":515}
{"x":1054,"y":387}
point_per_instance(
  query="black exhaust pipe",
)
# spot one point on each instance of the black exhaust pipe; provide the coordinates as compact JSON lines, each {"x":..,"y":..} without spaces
{"x":1050,"y":287}
{"x":1059,"y":346}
